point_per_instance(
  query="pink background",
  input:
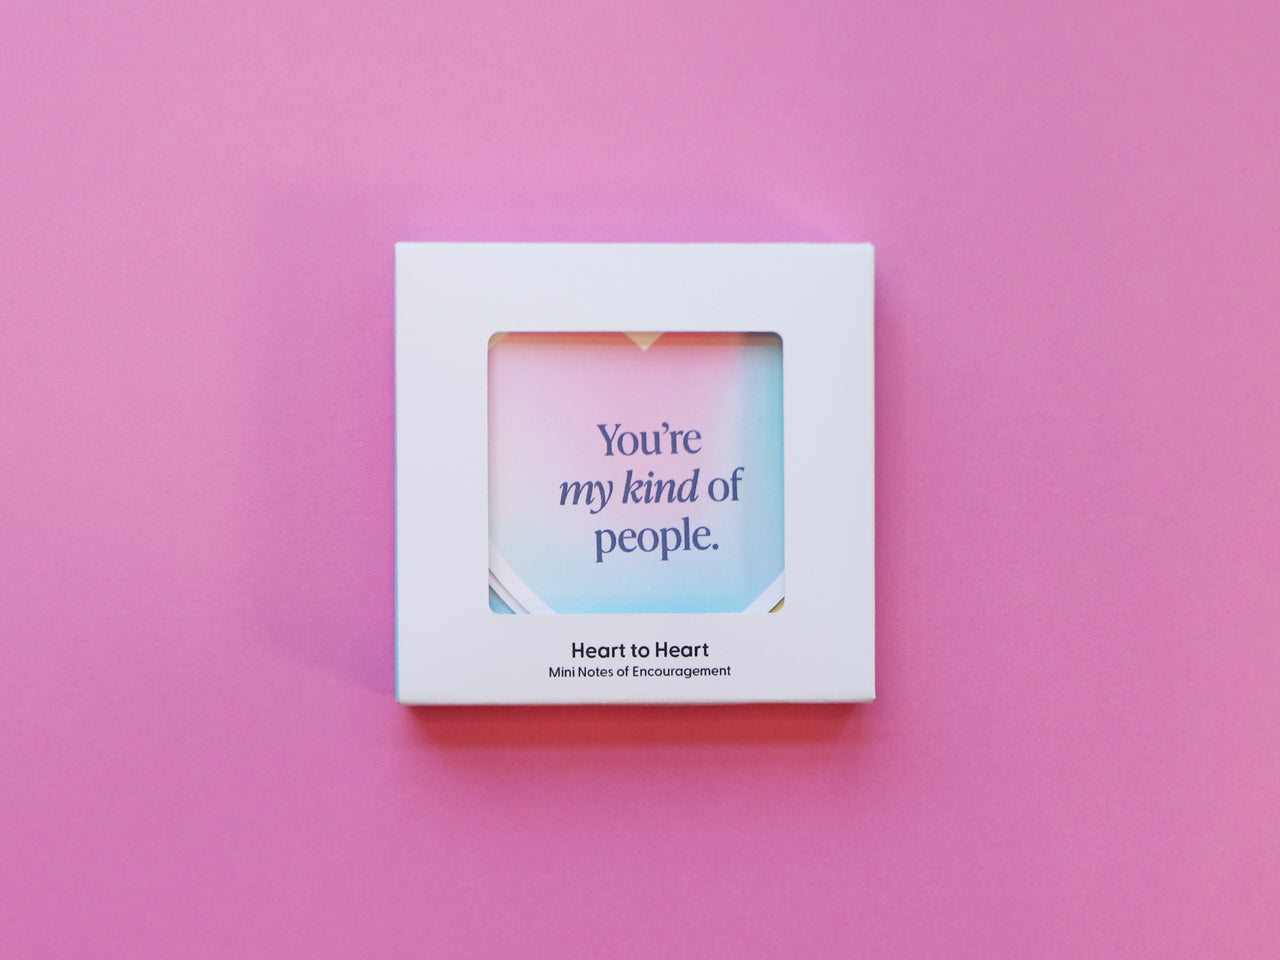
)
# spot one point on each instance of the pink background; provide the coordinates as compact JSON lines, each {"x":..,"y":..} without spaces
{"x":1076,"y":749}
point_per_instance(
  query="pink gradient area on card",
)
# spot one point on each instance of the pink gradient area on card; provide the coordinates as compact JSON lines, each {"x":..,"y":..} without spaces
{"x":691,"y":422}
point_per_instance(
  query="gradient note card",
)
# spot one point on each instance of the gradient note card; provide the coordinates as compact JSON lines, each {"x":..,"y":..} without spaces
{"x":635,"y":472}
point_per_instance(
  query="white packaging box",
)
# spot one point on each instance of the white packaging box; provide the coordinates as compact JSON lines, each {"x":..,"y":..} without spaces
{"x":451,"y":645}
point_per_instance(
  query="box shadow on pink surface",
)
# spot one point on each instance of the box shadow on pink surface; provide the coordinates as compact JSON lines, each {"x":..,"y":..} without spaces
{"x":628,"y":725}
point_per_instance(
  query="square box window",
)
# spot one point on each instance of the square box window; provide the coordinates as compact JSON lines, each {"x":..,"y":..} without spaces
{"x":635,"y":472}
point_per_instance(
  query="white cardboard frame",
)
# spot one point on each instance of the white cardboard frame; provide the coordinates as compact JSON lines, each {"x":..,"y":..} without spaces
{"x":450,"y":298}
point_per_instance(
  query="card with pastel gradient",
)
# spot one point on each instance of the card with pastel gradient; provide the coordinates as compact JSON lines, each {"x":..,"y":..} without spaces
{"x":635,"y":472}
